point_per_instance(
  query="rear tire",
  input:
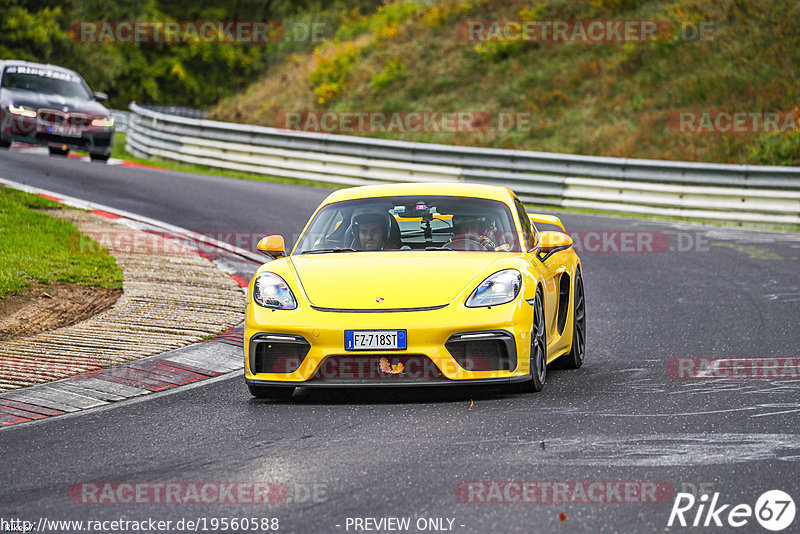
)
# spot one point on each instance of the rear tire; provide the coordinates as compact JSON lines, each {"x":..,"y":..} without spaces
{"x":538,"y":353}
{"x":4,"y":143}
{"x":102,"y":158}
{"x":574,"y":359}
{"x":270,"y":392}
{"x":55,"y":151}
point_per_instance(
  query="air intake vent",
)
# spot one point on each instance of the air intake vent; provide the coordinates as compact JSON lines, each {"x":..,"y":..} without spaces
{"x":277,"y":353}
{"x":563,"y":301}
{"x":484,"y":351}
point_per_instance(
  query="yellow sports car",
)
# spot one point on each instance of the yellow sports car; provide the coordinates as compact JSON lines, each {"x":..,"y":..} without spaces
{"x":415,"y":285}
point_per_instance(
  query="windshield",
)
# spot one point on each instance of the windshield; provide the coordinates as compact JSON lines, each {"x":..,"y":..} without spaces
{"x":47,"y":81}
{"x":411,"y":223}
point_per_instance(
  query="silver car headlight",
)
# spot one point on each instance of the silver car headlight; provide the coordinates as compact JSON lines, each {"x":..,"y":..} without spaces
{"x":106,"y":122}
{"x":272,"y":291}
{"x":501,"y":287}
{"x":22,"y":110}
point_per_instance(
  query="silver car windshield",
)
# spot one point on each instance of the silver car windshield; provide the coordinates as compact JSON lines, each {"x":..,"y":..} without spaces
{"x":45,"y":81}
{"x":411,"y":223}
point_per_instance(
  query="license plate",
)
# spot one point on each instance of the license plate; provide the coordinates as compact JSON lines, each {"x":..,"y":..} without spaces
{"x":65,"y":130}
{"x":374,"y":339}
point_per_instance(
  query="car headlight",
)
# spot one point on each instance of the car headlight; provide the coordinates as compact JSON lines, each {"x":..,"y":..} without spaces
{"x":21,"y":110}
{"x":271,"y":291}
{"x":501,"y":287}
{"x":107,"y":122}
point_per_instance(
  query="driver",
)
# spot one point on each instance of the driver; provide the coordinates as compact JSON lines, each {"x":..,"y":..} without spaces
{"x":474,"y":229}
{"x":371,"y":231}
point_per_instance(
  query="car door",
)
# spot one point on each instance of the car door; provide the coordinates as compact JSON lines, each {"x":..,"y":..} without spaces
{"x":546,"y":270}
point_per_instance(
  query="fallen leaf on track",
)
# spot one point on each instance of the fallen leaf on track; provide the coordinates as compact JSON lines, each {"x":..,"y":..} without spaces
{"x":386,"y":367}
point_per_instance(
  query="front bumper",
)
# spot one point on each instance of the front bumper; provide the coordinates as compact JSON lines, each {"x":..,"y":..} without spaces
{"x":434,"y":354}
{"x":391,"y":383}
{"x":94,"y":139}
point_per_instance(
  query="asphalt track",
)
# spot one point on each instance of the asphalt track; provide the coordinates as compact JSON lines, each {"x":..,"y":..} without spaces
{"x":402,"y":453}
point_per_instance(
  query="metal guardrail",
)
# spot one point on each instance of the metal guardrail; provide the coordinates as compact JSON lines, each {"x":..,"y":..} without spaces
{"x":706,"y":191}
{"x":180,"y":111}
{"x":121,"y":119}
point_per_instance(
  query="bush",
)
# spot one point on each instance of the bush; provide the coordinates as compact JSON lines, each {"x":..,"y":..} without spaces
{"x":332,"y":71}
{"x":382,"y":24}
{"x":776,"y":149}
{"x":394,"y":69}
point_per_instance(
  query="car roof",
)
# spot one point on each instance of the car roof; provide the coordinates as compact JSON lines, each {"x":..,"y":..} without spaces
{"x":492,"y":192}
{"x":9,"y":62}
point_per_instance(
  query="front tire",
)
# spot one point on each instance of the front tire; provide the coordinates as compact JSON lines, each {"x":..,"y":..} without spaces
{"x":538,"y":353}
{"x":102,"y":158}
{"x":574,"y":359}
{"x":4,"y":143}
{"x":270,"y":392}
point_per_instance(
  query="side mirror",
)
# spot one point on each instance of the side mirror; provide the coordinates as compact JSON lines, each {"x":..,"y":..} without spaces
{"x":272,"y":245}
{"x":100,"y":97}
{"x":552,"y":242}
{"x":546,"y":219}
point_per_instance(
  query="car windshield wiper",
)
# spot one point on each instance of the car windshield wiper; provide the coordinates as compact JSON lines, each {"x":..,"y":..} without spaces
{"x":326,"y":250}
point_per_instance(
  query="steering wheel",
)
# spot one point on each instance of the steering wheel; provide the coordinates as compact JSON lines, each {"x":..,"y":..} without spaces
{"x":470,"y":242}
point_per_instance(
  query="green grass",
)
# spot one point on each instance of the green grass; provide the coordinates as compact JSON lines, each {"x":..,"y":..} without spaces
{"x":119,"y":152}
{"x":35,"y":247}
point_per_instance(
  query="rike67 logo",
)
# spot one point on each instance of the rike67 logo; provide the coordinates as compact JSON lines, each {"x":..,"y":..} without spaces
{"x":774,"y":510}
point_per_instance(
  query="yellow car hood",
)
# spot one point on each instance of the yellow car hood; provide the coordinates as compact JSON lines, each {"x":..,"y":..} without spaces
{"x":386,"y":280}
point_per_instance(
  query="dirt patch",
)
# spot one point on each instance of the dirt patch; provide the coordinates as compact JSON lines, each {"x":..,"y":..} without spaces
{"x":39,"y":308}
